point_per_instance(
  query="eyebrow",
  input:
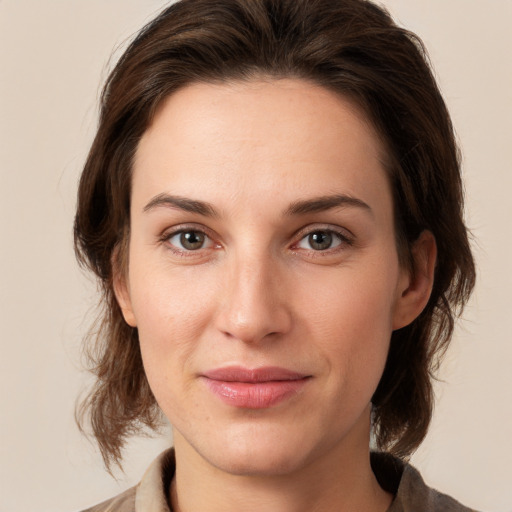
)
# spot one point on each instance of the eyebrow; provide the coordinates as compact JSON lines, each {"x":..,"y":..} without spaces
{"x":323,"y":203}
{"x":181,"y":203}
{"x":302,"y":207}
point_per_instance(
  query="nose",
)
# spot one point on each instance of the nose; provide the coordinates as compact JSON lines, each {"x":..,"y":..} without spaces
{"x":254,"y":306}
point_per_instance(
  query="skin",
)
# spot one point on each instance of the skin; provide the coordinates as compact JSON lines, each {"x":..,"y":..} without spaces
{"x":258,"y":292}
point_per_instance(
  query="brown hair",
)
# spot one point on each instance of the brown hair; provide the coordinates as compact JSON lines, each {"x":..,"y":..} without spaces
{"x":349,"y":46}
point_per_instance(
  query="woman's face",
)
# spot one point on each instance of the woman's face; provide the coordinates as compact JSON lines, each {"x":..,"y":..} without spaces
{"x":263,"y":273}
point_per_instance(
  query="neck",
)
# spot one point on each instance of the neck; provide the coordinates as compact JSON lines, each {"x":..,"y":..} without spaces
{"x":340,"y":480}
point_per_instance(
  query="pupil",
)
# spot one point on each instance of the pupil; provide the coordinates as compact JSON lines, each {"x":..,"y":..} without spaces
{"x":192,"y":240}
{"x":320,"y":240}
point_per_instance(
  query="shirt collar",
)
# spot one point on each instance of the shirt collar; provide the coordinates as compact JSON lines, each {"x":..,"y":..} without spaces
{"x":153,"y":489}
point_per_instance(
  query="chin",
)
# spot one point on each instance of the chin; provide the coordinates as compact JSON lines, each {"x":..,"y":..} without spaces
{"x":258,"y":453}
{"x":258,"y":462}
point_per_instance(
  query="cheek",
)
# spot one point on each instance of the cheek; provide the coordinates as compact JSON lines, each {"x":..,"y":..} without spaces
{"x":172,"y":311}
{"x":167,"y":299}
{"x":351,"y":321}
{"x":353,"y":299}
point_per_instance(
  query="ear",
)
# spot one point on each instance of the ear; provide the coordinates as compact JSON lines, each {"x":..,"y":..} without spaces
{"x":416,"y":283}
{"x":122,"y":291}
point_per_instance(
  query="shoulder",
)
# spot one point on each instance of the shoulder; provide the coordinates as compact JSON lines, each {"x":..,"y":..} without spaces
{"x":411,"y":492}
{"x":414,"y":493}
{"x":151,"y":492}
{"x":124,"y":502}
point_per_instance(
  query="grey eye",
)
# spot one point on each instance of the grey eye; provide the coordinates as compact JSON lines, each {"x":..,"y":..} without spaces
{"x":320,"y":240}
{"x":190,"y":240}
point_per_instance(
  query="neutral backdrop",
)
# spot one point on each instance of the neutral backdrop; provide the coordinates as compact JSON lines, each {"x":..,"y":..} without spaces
{"x":53,"y":56}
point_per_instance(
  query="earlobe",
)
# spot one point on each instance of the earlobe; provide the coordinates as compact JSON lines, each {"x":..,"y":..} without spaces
{"x":416,"y":286}
{"x":122,"y":293}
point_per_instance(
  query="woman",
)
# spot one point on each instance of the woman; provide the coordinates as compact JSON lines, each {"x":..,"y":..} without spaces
{"x":273,"y":206}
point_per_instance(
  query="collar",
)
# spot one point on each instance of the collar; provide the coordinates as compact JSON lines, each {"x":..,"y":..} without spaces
{"x":396,"y":477}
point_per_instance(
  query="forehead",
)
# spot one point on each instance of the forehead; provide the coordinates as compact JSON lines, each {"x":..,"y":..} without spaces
{"x":258,"y":137}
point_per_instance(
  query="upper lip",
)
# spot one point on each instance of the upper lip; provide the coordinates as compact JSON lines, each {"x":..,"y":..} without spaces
{"x":252,"y":375}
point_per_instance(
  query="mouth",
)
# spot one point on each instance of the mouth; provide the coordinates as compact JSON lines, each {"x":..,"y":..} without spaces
{"x":258,"y":388}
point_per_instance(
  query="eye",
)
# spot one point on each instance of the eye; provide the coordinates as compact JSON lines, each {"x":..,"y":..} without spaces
{"x":189,"y":240}
{"x":321,"y":240}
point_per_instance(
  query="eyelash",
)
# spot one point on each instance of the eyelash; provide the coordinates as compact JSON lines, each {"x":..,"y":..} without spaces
{"x":344,"y":240}
{"x":166,"y":237}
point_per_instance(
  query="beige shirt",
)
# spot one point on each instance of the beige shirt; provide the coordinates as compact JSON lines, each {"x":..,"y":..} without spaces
{"x":402,"y":480}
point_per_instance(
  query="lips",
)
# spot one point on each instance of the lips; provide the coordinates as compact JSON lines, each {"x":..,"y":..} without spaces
{"x":258,"y":388}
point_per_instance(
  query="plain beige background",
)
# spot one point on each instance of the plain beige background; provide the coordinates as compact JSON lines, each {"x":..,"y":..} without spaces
{"x":53,"y":56}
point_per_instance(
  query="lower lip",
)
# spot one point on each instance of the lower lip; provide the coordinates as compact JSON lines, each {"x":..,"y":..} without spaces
{"x":256,"y":395}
